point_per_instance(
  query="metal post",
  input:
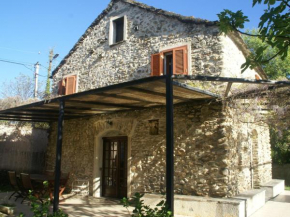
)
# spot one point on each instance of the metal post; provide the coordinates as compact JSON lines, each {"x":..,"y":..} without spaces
{"x":36,"y":68}
{"x":169,"y":143}
{"x":58,"y":155}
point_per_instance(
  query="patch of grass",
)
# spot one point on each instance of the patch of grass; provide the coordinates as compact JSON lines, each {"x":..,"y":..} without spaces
{"x":287,"y":188}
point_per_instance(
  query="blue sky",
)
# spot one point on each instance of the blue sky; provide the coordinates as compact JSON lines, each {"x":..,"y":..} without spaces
{"x":30,"y":28}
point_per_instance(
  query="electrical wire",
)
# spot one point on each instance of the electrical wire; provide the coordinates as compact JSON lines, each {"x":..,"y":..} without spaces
{"x":22,"y":64}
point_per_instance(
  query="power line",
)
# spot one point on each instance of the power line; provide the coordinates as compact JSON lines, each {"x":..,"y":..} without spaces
{"x":14,"y":62}
{"x":19,"y":63}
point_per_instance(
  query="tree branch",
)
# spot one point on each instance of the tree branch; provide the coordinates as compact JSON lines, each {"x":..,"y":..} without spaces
{"x":248,"y":34}
{"x":286,"y":3}
{"x":279,"y":52}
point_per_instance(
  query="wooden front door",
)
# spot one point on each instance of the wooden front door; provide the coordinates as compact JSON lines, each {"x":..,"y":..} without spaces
{"x":114,"y":167}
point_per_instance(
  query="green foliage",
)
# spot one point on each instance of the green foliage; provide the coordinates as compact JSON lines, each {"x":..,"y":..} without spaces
{"x":47,"y":86}
{"x":42,"y":209}
{"x":142,"y":210}
{"x":275,"y":68}
{"x":273,"y":30}
{"x":280,"y":145}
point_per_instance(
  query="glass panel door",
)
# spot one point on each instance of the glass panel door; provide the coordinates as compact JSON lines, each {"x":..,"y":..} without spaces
{"x":115,"y":167}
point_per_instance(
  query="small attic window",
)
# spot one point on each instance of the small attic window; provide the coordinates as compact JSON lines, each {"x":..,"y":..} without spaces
{"x":117,"y":30}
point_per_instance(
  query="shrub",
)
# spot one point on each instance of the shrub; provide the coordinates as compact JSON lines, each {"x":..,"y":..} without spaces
{"x":142,"y":210}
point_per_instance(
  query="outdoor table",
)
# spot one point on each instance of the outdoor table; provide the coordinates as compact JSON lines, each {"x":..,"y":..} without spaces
{"x":42,"y":177}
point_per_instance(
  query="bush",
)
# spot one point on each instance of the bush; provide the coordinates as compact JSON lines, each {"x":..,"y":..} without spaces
{"x":280,"y":145}
{"x":42,"y":209}
{"x":141,"y":210}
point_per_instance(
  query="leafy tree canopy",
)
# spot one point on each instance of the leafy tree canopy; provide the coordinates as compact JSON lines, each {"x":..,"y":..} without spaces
{"x":276,"y":68}
{"x":273,"y":30}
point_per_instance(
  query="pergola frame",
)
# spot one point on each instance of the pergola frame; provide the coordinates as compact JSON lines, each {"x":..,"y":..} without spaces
{"x":169,"y":122}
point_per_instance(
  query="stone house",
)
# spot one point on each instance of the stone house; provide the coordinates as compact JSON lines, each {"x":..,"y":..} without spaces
{"x":124,"y":152}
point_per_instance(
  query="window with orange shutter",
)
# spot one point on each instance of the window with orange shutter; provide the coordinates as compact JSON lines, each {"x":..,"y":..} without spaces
{"x":175,"y":59}
{"x":61,"y":87}
{"x":67,"y":85}
{"x":156,"y":65}
{"x":70,"y":85}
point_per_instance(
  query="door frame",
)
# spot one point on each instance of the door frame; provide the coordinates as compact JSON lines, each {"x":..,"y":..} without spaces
{"x":96,"y":187}
{"x":125,"y":173}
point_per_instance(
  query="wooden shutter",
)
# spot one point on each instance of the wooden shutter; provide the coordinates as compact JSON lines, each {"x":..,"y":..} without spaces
{"x":257,"y":77}
{"x":156,"y":64}
{"x":70,"y":85}
{"x":180,"y":61}
{"x":61,"y":87}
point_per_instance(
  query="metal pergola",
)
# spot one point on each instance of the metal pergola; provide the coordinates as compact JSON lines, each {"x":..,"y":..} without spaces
{"x":133,"y":95}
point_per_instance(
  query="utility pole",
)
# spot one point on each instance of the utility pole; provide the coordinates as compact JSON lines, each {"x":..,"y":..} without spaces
{"x":36,"y":68}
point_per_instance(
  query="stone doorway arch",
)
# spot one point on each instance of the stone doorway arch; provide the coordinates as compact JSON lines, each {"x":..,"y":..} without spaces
{"x":110,"y":128}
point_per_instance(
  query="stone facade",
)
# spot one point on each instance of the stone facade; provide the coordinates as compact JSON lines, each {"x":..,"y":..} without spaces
{"x":215,"y":154}
{"x":211,"y":151}
{"x":98,"y":64}
{"x":249,"y":150}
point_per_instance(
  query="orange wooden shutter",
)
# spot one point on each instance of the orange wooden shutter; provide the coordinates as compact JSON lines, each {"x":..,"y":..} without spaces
{"x":156,"y":64}
{"x":61,"y":87}
{"x":180,"y":61}
{"x":257,"y":77}
{"x":70,"y":86}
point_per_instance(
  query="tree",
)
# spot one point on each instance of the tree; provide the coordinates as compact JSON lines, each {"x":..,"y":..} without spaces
{"x":17,"y":92}
{"x":273,"y":30}
{"x":47,"y":87}
{"x":276,"y":68}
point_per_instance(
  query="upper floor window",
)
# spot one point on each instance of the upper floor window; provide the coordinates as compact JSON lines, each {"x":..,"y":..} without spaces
{"x":67,"y":85}
{"x":173,"y":61}
{"x":117,"y":30}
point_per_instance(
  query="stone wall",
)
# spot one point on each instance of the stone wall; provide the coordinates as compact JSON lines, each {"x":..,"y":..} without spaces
{"x":206,"y":157}
{"x":98,"y":64}
{"x":249,"y":150}
{"x":233,"y":58}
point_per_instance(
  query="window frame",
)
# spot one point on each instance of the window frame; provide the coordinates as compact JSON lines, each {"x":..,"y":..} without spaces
{"x":112,"y":29}
{"x":169,"y":48}
{"x":172,"y":49}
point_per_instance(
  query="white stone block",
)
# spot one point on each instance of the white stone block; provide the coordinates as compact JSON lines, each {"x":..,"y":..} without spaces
{"x":273,"y":188}
{"x":201,"y":206}
{"x":254,"y":199}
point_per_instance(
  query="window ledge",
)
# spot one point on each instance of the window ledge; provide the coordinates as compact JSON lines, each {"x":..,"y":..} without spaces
{"x":115,"y":44}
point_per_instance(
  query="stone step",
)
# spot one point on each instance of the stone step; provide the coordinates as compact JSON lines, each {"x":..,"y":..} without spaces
{"x":254,"y":200}
{"x":273,"y":188}
{"x":201,"y":206}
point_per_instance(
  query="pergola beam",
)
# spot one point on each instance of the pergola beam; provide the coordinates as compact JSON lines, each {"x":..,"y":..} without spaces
{"x":114,"y":105}
{"x":228,"y":79}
